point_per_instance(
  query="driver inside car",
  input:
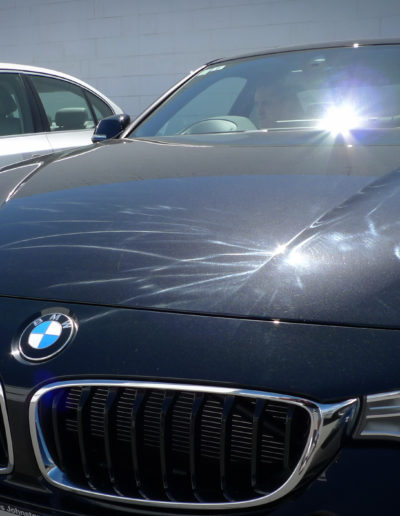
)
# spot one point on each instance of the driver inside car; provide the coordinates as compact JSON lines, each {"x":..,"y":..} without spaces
{"x":274,"y":108}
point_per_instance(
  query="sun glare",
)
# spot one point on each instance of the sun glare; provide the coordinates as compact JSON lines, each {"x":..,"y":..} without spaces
{"x":340,"y":119}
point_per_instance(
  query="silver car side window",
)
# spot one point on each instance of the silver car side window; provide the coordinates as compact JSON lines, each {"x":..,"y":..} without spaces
{"x":64,"y":103}
{"x":15,"y":114}
{"x":100,"y":108}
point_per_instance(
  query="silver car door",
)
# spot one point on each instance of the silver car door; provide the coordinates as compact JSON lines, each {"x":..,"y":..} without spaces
{"x":22,"y":146}
{"x":67,"y":139}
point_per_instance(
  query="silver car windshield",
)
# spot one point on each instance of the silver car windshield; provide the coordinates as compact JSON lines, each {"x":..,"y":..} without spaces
{"x":333,"y":90}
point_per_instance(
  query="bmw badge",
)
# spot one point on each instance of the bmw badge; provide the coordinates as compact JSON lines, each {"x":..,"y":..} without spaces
{"x":46,"y":336}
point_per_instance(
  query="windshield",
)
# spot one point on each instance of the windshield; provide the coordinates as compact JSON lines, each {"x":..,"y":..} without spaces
{"x":335,"y":90}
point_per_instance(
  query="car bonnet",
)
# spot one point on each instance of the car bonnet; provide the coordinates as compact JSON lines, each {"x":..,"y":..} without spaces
{"x":248,"y":230}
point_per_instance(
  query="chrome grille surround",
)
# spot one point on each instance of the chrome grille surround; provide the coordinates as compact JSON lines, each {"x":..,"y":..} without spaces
{"x":6,"y":442}
{"x":326,"y":421}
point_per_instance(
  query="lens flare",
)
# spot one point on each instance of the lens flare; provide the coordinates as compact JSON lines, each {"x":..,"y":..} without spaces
{"x":340,"y":119}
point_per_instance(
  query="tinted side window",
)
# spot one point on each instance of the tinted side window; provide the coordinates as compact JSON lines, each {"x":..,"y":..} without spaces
{"x":100,"y":108}
{"x":15,"y":113}
{"x":64,"y":103}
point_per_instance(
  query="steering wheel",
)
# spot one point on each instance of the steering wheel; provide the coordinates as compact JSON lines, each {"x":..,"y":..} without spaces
{"x":226,"y":124}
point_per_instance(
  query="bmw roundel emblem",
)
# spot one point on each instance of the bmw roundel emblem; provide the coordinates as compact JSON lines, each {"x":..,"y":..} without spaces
{"x":46,"y":336}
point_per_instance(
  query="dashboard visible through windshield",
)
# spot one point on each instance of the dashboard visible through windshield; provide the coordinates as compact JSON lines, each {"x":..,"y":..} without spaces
{"x":333,"y":91}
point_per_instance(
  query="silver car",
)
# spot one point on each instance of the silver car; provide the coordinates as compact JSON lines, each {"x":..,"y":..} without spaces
{"x":42,"y":111}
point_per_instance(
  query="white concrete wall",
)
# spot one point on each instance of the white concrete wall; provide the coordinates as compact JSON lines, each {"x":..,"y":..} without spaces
{"x":133,"y":50}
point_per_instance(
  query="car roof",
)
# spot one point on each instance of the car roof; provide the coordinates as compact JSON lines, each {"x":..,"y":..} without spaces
{"x":60,"y":75}
{"x":314,"y":46}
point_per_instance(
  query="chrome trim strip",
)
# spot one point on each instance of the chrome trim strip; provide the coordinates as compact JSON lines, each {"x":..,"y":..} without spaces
{"x":380,"y":418}
{"x":326,"y":419}
{"x":10,"y":452}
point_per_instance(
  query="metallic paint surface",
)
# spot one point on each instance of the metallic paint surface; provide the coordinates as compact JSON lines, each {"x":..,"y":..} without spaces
{"x":259,"y":261}
{"x":197,"y":228}
{"x":322,"y":363}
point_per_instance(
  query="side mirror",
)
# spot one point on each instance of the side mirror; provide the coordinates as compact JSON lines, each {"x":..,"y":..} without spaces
{"x":110,"y":127}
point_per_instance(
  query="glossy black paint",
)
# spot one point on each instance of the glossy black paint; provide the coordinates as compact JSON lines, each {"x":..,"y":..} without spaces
{"x":338,"y":492}
{"x":349,"y":488}
{"x":321,"y":362}
{"x":260,"y":261}
{"x":110,"y":127}
{"x":211,"y":229}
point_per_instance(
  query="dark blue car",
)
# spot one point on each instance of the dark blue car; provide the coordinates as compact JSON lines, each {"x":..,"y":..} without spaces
{"x":200,"y":313}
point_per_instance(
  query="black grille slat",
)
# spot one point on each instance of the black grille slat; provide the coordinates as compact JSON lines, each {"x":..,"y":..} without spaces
{"x":64,"y":428}
{"x":97,"y":408}
{"x":181,"y":423}
{"x":256,"y":441}
{"x":83,"y":432}
{"x":225,"y":444}
{"x":194,"y":453}
{"x":108,"y":438}
{"x":166,"y":444}
{"x":151,"y":419}
{"x":124,"y":415}
{"x":286,"y":448}
{"x":55,"y":414}
{"x":211,"y":429}
{"x":136,"y":439}
{"x":71,"y":405}
{"x":165,"y":439}
{"x":241,"y":440}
